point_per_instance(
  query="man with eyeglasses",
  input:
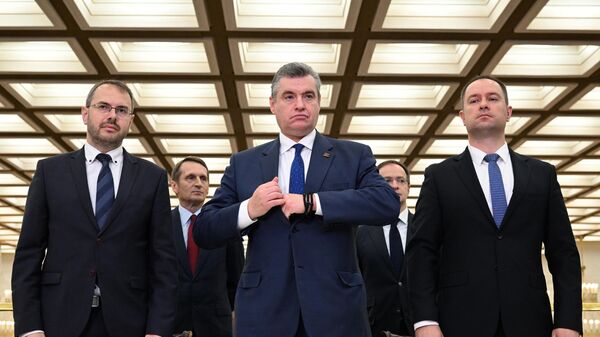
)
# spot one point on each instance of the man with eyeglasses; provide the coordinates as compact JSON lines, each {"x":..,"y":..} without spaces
{"x":380,"y":252}
{"x":95,"y":256}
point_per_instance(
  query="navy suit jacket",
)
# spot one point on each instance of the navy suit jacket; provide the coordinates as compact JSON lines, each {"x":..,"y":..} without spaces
{"x":306,"y":266}
{"x":387,"y":295}
{"x":466,"y":274}
{"x":205,"y":299}
{"x":61,"y":254}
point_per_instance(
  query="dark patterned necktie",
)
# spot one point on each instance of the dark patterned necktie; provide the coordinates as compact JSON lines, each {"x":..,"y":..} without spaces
{"x":496,"y":188}
{"x":105,"y":190}
{"x":297,"y":172}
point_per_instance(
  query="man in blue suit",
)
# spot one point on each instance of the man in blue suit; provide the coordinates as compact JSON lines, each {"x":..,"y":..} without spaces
{"x":301,"y":275}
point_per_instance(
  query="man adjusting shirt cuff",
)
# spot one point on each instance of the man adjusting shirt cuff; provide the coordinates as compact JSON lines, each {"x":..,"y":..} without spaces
{"x":245,"y":221}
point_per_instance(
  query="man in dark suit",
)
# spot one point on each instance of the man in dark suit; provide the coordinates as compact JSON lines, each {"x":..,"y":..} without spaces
{"x":474,"y":261}
{"x":207,"y":279}
{"x":301,"y":276}
{"x":380,"y":253}
{"x":95,"y":256}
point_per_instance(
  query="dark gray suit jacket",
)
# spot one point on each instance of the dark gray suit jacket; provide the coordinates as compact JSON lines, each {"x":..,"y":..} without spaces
{"x":387,"y":295}
{"x":205,"y":300}
{"x":61,"y":254}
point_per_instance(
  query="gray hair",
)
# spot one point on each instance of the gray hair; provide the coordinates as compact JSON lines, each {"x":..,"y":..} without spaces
{"x":294,"y":70}
{"x":119,"y":84}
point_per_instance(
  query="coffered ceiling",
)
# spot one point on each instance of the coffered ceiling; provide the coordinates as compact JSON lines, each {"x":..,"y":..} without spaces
{"x":392,"y":70}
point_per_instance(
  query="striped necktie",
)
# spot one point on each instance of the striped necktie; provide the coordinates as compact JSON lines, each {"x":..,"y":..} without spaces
{"x":105,"y":190}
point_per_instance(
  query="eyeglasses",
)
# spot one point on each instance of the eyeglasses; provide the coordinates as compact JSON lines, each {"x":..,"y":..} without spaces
{"x":398,"y":180}
{"x":121,"y":111}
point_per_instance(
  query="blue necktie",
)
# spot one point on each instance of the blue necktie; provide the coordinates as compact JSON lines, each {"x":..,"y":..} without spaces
{"x":396,"y":251}
{"x":297,"y":172}
{"x":496,"y":188}
{"x":105,"y":190}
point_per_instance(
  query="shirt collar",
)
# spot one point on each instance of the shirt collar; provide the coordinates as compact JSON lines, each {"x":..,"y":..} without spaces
{"x":91,"y":153}
{"x":404,"y":216}
{"x":477,"y":155}
{"x":185,"y":214}
{"x":287,"y":143}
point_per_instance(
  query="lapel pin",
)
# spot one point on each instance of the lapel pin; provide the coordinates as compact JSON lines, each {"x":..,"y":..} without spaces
{"x":326,"y":154}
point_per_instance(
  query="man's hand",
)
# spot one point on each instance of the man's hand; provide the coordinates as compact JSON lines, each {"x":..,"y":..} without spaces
{"x":37,"y":334}
{"x":265,"y":197}
{"x":294,"y":204}
{"x":152,"y":336}
{"x":429,"y":331}
{"x":562,"y":332}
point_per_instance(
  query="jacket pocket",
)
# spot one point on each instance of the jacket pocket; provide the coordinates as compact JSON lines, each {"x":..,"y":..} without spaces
{"x":453,"y":279}
{"x":138,"y":283}
{"x":51,"y":278}
{"x":250,"y":280}
{"x":350,"y":279}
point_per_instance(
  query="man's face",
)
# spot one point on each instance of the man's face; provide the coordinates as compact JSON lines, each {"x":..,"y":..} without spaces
{"x":396,"y":176}
{"x":484,"y":108}
{"x":192,"y":186}
{"x":106,"y":131}
{"x":296,"y":106}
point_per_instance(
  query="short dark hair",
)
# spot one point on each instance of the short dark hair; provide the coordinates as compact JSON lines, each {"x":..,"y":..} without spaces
{"x":483,"y":77}
{"x":176,"y":173}
{"x":294,"y":70}
{"x":119,"y":84}
{"x":395,"y":162}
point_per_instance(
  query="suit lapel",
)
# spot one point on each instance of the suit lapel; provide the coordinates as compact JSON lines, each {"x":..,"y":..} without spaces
{"x":320,"y":159}
{"x":78,"y":171}
{"x":129,"y":174}
{"x":269,"y":162}
{"x":468,"y":176}
{"x":521,"y":172}
{"x":203,"y":257}
{"x":376,"y":234}
{"x":180,"y":248}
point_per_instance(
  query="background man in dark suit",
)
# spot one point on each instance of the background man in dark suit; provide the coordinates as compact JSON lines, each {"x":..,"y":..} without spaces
{"x":301,"y":276}
{"x":474,"y":262}
{"x":380,"y":253}
{"x":89,"y":263}
{"x":208,"y":278}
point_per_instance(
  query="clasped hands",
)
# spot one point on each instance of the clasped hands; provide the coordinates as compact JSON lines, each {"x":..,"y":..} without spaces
{"x":269,"y":195}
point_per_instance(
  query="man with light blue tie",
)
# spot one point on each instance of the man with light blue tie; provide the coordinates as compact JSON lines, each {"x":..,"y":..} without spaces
{"x":474,"y":260}
{"x":299,"y":199}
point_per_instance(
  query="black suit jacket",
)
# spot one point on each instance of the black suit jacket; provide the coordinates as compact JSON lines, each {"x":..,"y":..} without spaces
{"x":205,"y":300}
{"x":387,"y":295}
{"x":61,"y":254}
{"x":466,"y":274}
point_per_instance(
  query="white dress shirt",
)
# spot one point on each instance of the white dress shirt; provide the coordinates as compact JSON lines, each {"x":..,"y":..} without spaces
{"x":93,"y":167}
{"x":185,"y":215}
{"x":286,"y":156}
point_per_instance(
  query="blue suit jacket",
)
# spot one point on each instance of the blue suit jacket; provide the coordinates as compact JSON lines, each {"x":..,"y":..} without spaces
{"x":302,"y":266}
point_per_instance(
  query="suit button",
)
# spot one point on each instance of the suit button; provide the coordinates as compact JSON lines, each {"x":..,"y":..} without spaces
{"x":400,"y":283}
{"x":98,"y":241}
{"x":92,"y":273}
{"x":398,"y":310}
{"x":500,"y":237}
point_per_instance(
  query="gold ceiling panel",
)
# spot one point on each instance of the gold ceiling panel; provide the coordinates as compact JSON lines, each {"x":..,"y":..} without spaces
{"x":391,"y":70}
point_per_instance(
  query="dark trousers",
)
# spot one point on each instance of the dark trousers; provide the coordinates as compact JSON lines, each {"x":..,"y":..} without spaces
{"x":95,"y":326}
{"x":500,"y":330}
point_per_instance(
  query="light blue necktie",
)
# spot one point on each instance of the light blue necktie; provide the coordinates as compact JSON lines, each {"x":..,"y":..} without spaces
{"x":496,"y":188}
{"x":105,"y":190}
{"x":297,"y":172}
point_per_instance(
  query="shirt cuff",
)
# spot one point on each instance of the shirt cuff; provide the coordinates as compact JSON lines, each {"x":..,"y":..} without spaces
{"x":244,"y":219}
{"x":425,"y":323}
{"x":319,"y":210}
{"x":31,"y":333}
